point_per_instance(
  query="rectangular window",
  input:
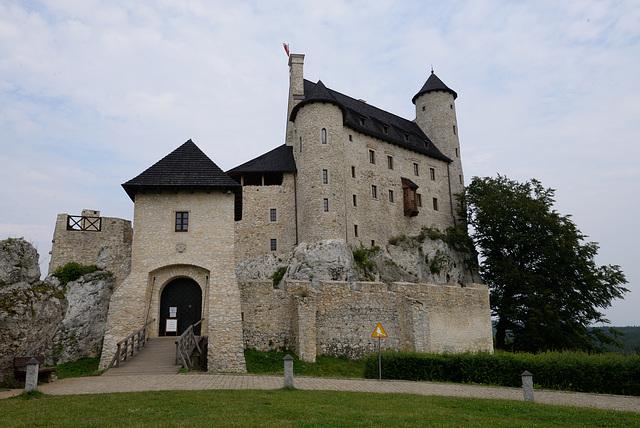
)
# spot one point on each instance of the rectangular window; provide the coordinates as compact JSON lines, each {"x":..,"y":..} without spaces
{"x":435,"y":204}
{"x":273,"y":214}
{"x":373,"y":243}
{"x":460,"y":176}
{"x":355,"y":230}
{"x":374,"y":191}
{"x":182,"y":221}
{"x":385,"y":129}
{"x":432,"y":173}
{"x":419,"y":199}
{"x":355,"y":201}
{"x":325,"y":176}
{"x":390,"y":162}
{"x":353,"y":172}
{"x":323,"y":135}
{"x":372,"y":156}
{"x":350,"y":137}
{"x":325,"y":205}
{"x":454,"y":130}
{"x":390,"y":195}
{"x":457,"y":152}
{"x":416,"y":171}
{"x":273,"y":244}
{"x":406,"y":137}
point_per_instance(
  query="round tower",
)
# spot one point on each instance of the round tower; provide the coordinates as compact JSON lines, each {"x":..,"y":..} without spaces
{"x":436,"y":116}
{"x":319,"y":154}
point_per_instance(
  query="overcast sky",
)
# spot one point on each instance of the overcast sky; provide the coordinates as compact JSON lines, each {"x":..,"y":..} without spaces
{"x":92,"y":93}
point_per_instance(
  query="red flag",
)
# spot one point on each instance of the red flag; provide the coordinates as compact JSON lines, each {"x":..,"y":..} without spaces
{"x":286,"y":48}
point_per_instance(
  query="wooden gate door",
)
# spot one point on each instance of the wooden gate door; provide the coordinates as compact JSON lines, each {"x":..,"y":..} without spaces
{"x":185,"y":295}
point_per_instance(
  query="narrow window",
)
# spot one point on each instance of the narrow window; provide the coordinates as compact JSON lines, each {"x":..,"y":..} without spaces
{"x":373,"y":243}
{"x":350,"y":137}
{"x":432,"y":173}
{"x":273,"y":244}
{"x":353,"y":172}
{"x":390,"y":162}
{"x":423,"y":108}
{"x":457,"y":152}
{"x":451,"y":106}
{"x":454,"y":130}
{"x":374,"y":191}
{"x":323,"y":135}
{"x":273,"y":214}
{"x":355,"y":201}
{"x":325,"y":205}
{"x":182,"y":221}
{"x":460,"y":176}
{"x":355,"y":230}
{"x":390,"y":195}
{"x":300,"y":144}
{"x":413,"y":194}
{"x":416,"y":171}
{"x":372,"y":156}
{"x":435,"y":204}
{"x":325,"y":176}
{"x":419,"y":199}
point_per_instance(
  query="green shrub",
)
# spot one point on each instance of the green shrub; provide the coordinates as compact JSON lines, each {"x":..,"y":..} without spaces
{"x":72,"y":271}
{"x":575,"y":371}
{"x":278,"y":275}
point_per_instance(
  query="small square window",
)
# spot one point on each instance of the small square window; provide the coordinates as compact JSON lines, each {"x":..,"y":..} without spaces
{"x":325,"y":176}
{"x":390,"y":162}
{"x":432,"y":173}
{"x":273,"y":214}
{"x":372,"y":156}
{"x":416,"y":170}
{"x":435,"y":204}
{"x":182,"y":221}
{"x":273,"y":244}
{"x":390,"y":195}
{"x":353,"y":172}
{"x":355,"y":201}
{"x":374,"y":191}
{"x":325,"y":205}
{"x":419,"y":199}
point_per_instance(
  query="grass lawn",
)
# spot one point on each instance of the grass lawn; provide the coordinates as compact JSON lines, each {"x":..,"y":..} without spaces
{"x":270,"y":362}
{"x":292,"y":408}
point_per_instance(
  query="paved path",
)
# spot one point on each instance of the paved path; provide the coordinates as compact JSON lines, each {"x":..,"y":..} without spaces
{"x":191,"y":381}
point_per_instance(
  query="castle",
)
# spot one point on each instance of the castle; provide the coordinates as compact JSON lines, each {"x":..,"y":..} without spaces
{"x":348,"y":171}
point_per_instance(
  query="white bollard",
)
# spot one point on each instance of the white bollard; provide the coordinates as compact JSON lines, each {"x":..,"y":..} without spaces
{"x":288,"y":372}
{"x":527,"y":385}
{"x":31,"y":381}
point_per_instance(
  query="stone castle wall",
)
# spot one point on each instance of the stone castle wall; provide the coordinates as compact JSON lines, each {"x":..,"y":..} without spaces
{"x":254,"y":232}
{"x":111,"y":245}
{"x":339,"y":317}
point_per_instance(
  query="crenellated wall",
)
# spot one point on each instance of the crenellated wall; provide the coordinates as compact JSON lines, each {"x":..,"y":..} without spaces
{"x":339,"y":317}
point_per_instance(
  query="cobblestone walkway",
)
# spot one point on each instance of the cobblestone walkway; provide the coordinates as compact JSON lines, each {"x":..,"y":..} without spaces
{"x":163,"y":382}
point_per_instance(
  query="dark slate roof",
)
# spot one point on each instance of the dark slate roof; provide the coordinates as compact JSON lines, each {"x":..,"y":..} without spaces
{"x":279,"y":159}
{"x":434,"y":84}
{"x":376,"y":121}
{"x":187,"y":167}
{"x":318,"y":94}
{"x":409,"y":182}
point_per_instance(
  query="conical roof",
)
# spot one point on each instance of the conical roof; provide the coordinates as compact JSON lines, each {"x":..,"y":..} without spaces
{"x":185,"y":167}
{"x":319,"y":94}
{"x":434,"y":84}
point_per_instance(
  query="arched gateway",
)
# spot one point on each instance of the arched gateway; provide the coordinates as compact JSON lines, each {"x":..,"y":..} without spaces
{"x":181,"y":300}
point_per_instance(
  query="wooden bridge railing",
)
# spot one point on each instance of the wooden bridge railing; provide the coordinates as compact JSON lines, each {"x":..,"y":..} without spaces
{"x":185,"y":345}
{"x":130,"y":345}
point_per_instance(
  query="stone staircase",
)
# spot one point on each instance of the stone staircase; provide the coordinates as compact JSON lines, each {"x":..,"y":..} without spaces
{"x":158,"y":356}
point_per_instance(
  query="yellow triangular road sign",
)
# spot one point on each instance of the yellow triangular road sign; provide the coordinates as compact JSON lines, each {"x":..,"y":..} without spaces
{"x":379,"y":331}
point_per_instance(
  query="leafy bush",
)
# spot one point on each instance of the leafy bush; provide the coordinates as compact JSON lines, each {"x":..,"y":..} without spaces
{"x":278,"y":275}
{"x":72,"y":271}
{"x":575,"y":371}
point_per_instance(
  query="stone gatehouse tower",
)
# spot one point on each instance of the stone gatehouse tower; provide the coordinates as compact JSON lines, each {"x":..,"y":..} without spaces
{"x":183,"y":257}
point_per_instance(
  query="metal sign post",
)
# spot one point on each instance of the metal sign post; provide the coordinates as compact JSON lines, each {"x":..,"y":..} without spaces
{"x":379,"y":333}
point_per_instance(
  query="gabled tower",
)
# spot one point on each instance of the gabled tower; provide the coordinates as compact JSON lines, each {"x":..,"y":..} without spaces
{"x":436,"y":116}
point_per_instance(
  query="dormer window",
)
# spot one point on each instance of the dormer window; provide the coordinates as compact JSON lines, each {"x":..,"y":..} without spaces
{"x":385,"y":129}
{"x":426,"y":144}
{"x":361,"y":120}
{"x":406,"y":137}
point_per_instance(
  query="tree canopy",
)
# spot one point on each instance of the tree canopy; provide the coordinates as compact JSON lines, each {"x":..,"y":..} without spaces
{"x":546,"y":289}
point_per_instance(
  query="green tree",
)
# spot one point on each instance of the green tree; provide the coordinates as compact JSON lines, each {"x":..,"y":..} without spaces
{"x":546,"y":289}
